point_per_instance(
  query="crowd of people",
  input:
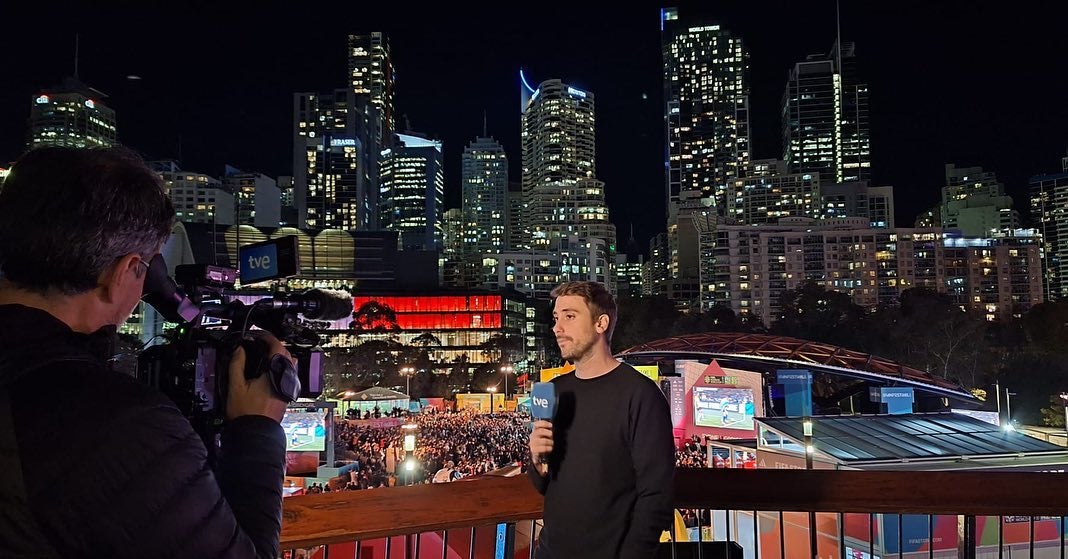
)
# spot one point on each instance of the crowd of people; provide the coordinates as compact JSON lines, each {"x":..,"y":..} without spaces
{"x":450,"y":446}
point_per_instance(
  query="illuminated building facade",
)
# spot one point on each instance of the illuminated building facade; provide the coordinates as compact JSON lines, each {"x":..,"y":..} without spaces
{"x":72,"y":115}
{"x":562,"y":197}
{"x":1000,"y":276}
{"x":771,"y":193}
{"x":974,"y":202}
{"x":335,"y":163}
{"x":484,"y":181}
{"x":755,"y":265}
{"x":706,"y":107}
{"x":371,"y":75}
{"x":197,"y":198}
{"x":256,"y":198}
{"x":860,"y":199}
{"x":825,"y":127}
{"x":412,"y":191}
{"x":1049,"y":210}
{"x":467,"y":322}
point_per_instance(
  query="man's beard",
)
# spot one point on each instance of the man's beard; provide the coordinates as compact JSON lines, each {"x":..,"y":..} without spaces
{"x":577,"y":351}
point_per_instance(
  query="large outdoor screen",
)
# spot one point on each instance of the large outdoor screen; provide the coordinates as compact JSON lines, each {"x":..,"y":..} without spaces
{"x":305,"y":430}
{"x":725,"y":408}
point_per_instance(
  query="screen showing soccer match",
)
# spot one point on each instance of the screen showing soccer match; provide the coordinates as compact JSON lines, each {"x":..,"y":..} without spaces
{"x":305,"y":430}
{"x":725,"y":408}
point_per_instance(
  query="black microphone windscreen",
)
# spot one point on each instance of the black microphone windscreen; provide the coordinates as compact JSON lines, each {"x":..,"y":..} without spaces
{"x":329,"y":304}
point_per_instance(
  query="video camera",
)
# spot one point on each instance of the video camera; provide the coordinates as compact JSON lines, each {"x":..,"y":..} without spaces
{"x":192,"y":367}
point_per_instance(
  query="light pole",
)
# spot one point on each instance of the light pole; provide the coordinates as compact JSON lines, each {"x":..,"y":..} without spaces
{"x":408,"y":371}
{"x":1064,"y":398}
{"x":1008,"y":410}
{"x":506,"y":370}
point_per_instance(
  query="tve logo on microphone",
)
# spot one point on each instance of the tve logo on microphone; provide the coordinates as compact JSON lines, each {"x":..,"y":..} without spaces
{"x":543,"y":400}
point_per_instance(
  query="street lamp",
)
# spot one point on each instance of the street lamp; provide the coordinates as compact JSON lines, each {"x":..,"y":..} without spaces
{"x":1064,"y":398}
{"x":506,"y":370}
{"x":409,"y":430}
{"x":1008,"y":410}
{"x":408,"y":371}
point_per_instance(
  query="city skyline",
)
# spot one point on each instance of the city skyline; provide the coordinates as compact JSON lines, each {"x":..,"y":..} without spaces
{"x":228,"y":94}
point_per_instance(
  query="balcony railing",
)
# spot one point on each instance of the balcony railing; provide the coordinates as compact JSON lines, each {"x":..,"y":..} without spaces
{"x":770,"y":513}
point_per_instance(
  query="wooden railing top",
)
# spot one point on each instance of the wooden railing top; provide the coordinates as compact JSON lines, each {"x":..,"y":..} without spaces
{"x":374,"y":513}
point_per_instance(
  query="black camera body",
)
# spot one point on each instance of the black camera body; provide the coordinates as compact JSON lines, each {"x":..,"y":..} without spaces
{"x":192,"y":367}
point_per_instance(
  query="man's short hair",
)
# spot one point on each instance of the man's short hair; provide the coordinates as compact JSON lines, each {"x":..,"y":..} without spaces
{"x":597,"y":298}
{"x":68,"y":214}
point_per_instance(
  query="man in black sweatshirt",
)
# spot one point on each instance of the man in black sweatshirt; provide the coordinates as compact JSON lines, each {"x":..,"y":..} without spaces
{"x":96,"y":464}
{"x":606,"y":461}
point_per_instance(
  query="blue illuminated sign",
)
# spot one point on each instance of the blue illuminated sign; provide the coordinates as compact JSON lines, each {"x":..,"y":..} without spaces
{"x":335,"y":142}
{"x":576,"y":92}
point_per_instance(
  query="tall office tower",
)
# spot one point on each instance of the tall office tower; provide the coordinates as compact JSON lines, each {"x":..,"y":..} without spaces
{"x":1049,"y":211}
{"x":371,"y":75}
{"x":257,"y":200}
{"x":197,"y":198}
{"x":452,"y":233}
{"x":975,"y":202}
{"x":513,"y":226}
{"x":71,"y":115}
{"x":629,"y":265}
{"x":860,"y":199}
{"x":561,"y":194}
{"x":412,"y":192}
{"x":706,"y":107}
{"x":335,"y":161}
{"x":769,"y":193}
{"x":655,"y":271}
{"x":825,"y":127}
{"x":485,"y":197}
{"x":289,"y":207}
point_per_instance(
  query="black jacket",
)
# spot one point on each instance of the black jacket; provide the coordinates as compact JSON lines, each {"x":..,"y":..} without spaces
{"x":110,"y":468}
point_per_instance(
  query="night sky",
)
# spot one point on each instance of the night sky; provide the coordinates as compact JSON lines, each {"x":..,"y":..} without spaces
{"x":973,"y":83}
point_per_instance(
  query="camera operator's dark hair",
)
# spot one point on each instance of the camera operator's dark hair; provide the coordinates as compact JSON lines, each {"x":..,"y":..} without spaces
{"x":67,"y":214}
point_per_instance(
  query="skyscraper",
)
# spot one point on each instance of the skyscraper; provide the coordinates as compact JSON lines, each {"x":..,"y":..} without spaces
{"x":561,"y":194}
{"x":975,"y":202}
{"x":767,"y":193}
{"x":485,"y":190}
{"x":825,"y":118}
{"x":412,"y":192}
{"x":335,"y":161}
{"x":1049,"y":210}
{"x":557,"y":132}
{"x":197,"y":198}
{"x":257,"y":199}
{"x":371,"y":74}
{"x":706,"y":107}
{"x":71,"y":115}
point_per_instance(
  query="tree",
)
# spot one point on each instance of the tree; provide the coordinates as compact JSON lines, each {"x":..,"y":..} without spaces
{"x":374,"y":316}
{"x":503,"y":347}
{"x":811,"y":312}
{"x":1046,"y":325}
{"x":934,"y":334}
{"x":643,"y":319}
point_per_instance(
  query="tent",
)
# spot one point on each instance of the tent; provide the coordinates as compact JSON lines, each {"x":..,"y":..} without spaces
{"x":376,"y":396}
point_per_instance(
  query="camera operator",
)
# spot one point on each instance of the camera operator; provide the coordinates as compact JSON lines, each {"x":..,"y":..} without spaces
{"x":97,"y":464}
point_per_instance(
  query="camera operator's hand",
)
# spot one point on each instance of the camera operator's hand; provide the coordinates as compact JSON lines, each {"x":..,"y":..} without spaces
{"x":254,"y":397}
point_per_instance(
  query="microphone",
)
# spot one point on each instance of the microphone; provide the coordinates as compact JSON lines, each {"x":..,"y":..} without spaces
{"x":543,"y":406}
{"x":316,"y":304}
